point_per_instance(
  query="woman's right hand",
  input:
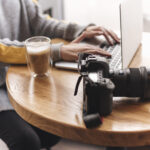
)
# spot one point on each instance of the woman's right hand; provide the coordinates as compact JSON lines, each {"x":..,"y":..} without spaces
{"x":70,"y":52}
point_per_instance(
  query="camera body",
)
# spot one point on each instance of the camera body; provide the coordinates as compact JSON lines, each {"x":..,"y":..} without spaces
{"x":100,"y":84}
{"x":97,"y":87}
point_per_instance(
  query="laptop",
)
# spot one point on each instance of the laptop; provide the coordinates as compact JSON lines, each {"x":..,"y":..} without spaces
{"x":130,"y":12}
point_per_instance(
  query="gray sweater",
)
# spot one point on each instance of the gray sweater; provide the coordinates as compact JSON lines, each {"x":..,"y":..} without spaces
{"x":21,"y":19}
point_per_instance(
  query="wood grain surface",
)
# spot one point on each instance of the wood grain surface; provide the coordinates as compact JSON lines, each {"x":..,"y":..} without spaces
{"x":49,"y":104}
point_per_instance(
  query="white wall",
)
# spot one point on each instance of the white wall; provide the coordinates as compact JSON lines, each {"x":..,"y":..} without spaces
{"x":146,"y":15}
{"x":101,"y":12}
{"x":146,"y":6}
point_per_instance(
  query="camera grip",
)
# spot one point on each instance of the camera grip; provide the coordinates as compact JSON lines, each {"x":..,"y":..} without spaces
{"x":98,"y":96}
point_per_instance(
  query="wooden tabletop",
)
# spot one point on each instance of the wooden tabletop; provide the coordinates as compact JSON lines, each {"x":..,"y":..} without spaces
{"x":49,"y":104}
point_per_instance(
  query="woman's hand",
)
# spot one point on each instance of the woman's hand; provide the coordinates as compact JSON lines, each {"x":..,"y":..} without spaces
{"x":93,"y":31}
{"x":70,"y":52}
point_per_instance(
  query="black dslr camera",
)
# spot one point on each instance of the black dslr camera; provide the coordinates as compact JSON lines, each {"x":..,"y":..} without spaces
{"x":100,"y":85}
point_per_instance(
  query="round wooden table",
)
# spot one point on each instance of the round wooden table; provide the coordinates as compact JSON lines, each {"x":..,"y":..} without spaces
{"x":49,"y":103}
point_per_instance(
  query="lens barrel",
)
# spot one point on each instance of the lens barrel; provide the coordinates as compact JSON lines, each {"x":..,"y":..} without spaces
{"x":132,"y":82}
{"x":147,"y":85}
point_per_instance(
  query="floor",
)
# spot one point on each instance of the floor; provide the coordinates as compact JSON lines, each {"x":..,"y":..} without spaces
{"x":3,"y":145}
{"x":64,"y":145}
{"x":72,"y":145}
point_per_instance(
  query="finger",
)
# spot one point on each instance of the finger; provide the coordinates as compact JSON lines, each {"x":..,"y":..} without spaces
{"x":106,"y":35}
{"x":87,"y":34}
{"x":99,"y":52}
{"x":114,"y":36}
{"x":105,"y":53}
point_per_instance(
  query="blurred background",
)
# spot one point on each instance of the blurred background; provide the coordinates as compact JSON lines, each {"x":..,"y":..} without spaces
{"x":100,"y":12}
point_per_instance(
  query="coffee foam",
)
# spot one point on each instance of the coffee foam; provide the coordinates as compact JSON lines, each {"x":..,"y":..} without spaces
{"x":38,"y":47}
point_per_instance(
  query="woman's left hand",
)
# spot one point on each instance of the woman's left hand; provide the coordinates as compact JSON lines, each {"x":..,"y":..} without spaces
{"x":93,"y":31}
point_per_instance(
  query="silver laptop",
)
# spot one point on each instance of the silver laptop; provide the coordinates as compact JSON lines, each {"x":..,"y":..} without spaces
{"x":131,"y":36}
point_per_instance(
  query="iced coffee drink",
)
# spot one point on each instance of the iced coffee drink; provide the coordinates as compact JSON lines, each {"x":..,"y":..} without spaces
{"x":38,"y":55}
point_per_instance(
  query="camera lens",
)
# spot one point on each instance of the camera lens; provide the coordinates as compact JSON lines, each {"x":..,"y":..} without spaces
{"x":133,"y":82}
{"x":147,"y":85}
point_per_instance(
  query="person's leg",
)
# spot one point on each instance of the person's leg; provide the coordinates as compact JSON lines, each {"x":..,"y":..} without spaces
{"x":47,"y":140}
{"x":16,"y":133}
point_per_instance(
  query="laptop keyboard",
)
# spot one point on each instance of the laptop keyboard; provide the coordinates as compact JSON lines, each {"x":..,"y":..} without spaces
{"x":115,"y":62}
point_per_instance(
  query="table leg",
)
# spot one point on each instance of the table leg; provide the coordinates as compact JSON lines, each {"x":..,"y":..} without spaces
{"x":115,"y":148}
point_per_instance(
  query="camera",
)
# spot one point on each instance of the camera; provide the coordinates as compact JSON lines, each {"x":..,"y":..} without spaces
{"x":100,"y":84}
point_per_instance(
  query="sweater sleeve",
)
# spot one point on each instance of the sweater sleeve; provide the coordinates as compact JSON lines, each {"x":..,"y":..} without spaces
{"x":52,"y":28}
{"x":14,"y":52}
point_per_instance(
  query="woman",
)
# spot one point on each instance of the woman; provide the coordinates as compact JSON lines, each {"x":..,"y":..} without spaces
{"x":19,"y":20}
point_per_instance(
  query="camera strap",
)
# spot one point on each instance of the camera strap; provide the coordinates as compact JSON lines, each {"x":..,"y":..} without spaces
{"x":77,"y":85}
